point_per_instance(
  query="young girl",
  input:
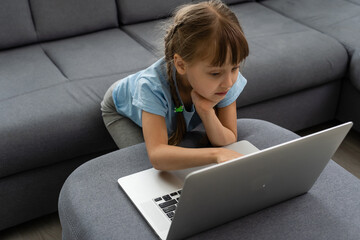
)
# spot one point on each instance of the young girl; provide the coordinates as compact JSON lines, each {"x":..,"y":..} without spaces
{"x":198,"y":81}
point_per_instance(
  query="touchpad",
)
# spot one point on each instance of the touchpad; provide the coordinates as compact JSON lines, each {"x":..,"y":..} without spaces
{"x":155,"y":217}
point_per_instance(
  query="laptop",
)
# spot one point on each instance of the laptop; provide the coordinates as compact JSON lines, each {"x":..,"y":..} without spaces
{"x":178,"y":204}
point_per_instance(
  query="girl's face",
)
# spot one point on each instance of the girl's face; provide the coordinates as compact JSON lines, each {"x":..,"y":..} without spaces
{"x":210,"y":82}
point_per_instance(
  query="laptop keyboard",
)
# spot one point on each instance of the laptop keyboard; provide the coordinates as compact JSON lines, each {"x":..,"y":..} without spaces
{"x":168,"y":203}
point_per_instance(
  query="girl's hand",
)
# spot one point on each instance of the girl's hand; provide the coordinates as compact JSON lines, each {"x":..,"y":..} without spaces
{"x":202,"y":104}
{"x":226,"y":155}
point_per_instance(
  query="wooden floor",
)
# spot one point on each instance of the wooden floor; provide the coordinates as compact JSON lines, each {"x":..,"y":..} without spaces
{"x":45,"y":228}
{"x":49,"y":228}
{"x":348,"y":154}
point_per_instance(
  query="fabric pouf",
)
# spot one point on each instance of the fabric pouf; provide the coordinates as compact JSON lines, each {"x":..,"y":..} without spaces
{"x":93,"y":206}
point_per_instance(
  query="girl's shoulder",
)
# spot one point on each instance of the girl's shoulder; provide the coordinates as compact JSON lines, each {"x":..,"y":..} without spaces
{"x":156,"y":73}
{"x":153,"y":77}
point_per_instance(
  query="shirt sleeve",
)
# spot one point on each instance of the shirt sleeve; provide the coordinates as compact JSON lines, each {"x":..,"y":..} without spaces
{"x":234,"y":92}
{"x":150,"y":97}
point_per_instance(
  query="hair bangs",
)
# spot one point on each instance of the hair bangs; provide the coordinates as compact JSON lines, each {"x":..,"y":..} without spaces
{"x":227,"y":43}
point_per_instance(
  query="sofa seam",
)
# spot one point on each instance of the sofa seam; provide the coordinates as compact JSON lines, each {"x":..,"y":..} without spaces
{"x":39,"y":89}
{"x":278,"y":34}
{"x":53,"y":62}
{"x":68,"y":82}
{"x":106,"y":75}
{"x":140,"y":41}
{"x":117,"y":13}
{"x":74,"y":158}
{"x":33,"y":21}
{"x":294,"y":92}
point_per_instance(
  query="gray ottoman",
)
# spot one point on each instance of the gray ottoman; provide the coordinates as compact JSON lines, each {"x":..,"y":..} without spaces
{"x":93,"y":206}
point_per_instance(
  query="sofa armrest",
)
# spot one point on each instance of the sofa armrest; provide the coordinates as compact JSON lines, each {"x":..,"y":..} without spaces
{"x":355,"y":69}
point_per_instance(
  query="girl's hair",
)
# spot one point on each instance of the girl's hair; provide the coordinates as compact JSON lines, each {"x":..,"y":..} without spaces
{"x":199,"y":31}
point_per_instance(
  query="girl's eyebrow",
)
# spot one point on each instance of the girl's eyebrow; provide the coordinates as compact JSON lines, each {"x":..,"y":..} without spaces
{"x":212,"y":66}
{"x":218,"y":67}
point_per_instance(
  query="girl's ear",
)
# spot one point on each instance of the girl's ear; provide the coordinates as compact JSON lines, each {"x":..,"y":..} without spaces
{"x":179,"y":64}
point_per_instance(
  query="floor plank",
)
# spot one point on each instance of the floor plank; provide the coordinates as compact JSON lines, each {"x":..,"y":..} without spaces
{"x":44,"y":228}
{"x":348,"y":154}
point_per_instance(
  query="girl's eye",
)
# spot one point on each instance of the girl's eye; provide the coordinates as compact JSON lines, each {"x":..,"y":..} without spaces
{"x":236,"y":68}
{"x":215,"y":74}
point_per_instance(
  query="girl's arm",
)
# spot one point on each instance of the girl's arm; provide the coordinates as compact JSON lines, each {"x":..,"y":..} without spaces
{"x":220,"y":125}
{"x":165,"y":157}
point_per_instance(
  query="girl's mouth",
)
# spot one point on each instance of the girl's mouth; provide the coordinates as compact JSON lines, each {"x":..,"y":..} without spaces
{"x":221,"y":93}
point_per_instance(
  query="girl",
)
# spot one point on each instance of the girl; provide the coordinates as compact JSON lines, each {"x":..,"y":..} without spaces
{"x":198,"y":81}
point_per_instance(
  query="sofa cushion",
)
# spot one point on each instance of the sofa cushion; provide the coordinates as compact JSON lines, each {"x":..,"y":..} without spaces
{"x":53,"y":114}
{"x":26,"y":69}
{"x":285,"y":56}
{"x":337,"y":18}
{"x":98,"y":54}
{"x":355,"y":69}
{"x":16,"y":25}
{"x":133,"y":11}
{"x":54,"y":124}
{"x":279,"y":48}
{"x":64,"y":18}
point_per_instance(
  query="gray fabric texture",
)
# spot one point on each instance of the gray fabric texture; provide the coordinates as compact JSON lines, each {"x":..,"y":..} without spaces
{"x":41,"y":132}
{"x":131,"y":11}
{"x":354,"y":1}
{"x":81,"y":69}
{"x":299,"y":110}
{"x":56,"y":19}
{"x":318,"y":58}
{"x":93,"y":206}
{"x":349,"y":105}
{"x":149,"y":34}
{"x":16,"y":25}
{"x":337,"y":18}
{"x":355,"y":70}
{"x":236,"y":1}
{"x":34,"y":193}
{"x":26,"y":69}
{"x":98,"y":54}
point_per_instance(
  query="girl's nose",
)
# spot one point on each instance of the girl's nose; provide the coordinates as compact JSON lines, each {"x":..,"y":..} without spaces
{"x":228,"y":81}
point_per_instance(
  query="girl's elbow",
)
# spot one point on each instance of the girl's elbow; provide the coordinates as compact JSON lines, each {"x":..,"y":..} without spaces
{"x":155,"y":162}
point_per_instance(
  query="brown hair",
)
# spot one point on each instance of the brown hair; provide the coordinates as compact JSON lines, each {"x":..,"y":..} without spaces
{"x":195,"y":27}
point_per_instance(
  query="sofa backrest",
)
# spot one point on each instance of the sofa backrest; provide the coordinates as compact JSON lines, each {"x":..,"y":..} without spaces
{"x":16,"y":25}
{"x":25,"y":22}
{"x":134,"y":11}
{"x":65,"y":18}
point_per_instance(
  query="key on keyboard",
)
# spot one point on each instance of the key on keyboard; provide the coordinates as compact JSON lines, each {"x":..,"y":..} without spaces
{"x":168,"y":203}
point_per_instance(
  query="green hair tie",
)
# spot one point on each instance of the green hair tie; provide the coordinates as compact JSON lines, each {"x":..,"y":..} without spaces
{"x":179,"y":109}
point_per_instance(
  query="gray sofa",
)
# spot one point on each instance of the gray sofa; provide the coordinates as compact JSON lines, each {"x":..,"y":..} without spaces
{"x":58,"y":57}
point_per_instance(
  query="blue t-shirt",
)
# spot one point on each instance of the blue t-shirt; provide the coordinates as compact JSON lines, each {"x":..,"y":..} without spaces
{"x":149,"y":90}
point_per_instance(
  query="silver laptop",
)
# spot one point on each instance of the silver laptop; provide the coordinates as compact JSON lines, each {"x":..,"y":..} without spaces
{"x":178,"y":204}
